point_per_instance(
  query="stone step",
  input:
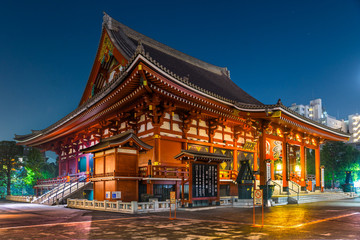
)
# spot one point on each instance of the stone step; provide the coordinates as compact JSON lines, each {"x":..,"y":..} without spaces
{"x":308,"y":198}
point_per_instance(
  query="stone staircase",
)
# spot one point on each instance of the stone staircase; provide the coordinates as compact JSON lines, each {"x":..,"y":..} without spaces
{"x":310,"y":197}
{"x":62,"y":190}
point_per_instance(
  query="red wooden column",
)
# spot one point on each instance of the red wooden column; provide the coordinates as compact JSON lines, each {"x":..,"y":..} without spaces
{"x":235,"y":164}
{"x":303,"y":168}
{"x":59,"y":167}
{"x":190,"y":183}
{"x":284,"y":170}
{"x":256,"y":154}
{"x":67,"y":166}
{"x":317,"y":168}
{"x":262,"y":157}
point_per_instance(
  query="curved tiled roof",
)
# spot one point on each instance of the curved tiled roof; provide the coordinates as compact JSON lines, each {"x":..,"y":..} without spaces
{"x":198,"y":74}
{"x":209,"y":79}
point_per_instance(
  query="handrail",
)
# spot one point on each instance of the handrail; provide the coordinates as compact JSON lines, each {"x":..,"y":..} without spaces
{"x":292,"y":189}
{"x":276,"y":184}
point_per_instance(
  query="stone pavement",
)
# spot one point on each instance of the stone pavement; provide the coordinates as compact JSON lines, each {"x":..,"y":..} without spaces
{"x":331,"y":220}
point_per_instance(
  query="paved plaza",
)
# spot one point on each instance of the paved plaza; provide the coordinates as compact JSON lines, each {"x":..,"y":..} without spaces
{"x":322,"y":220}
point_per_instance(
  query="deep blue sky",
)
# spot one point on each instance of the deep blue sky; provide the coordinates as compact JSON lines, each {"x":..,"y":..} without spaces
{"x":293,"y":50}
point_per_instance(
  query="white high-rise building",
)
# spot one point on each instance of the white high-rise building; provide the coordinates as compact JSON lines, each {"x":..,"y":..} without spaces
{"x":313,"y":111}
{"x":354,"y":128}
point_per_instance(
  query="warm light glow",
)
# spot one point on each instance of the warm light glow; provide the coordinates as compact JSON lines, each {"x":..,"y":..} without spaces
{"x":278,"y":167}
{"x":297,"y":168}
{"x":279,"y":132}
{"x":357,"y":184}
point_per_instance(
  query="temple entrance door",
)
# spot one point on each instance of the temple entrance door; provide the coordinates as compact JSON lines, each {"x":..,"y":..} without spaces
{"x":91,"y":163}
{"x":274,"y":153}
{"x":82,"y":164}
{"x":294,"y":163}
{"x":310,"y":169}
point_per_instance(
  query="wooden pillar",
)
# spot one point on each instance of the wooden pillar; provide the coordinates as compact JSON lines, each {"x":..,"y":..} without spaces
{"x":235,"y":163}
{"x":77,"y":160}
{"x":218,"y":185}
{"x":190,"y":183}
{"x":67,"y":166}
{"x":284,"y":170}
{"x":272,"y":167}
{"x":149,"y":185}
{"x":317,"y":168}
{"x":303,"y":168}
{"x":256,"y":154}
{"x":157,"y":144}
{"x":262,"y":156}
{"x":59,"y":167}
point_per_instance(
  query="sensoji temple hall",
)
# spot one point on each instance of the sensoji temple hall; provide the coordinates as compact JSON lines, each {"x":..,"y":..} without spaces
{"x":153,"y":120}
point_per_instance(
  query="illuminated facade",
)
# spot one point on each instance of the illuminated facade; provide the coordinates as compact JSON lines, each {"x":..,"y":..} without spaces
{"x":153,"y":120}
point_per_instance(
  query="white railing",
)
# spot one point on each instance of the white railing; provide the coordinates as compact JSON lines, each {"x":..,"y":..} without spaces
{"x":235,"y":201}
{"x":118,"y":206}
{"x":19,"y":198}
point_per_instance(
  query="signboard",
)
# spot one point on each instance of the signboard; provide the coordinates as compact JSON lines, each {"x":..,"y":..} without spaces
{"x":322,"y":177}
{"x":116,"y":195}
{"x":204,"y":180}
{"x":287,"y":162}
{"x":107,"y":195}
{"x":258,"y":197}
{"x":268,"y":171}
{"x":172,"y":197}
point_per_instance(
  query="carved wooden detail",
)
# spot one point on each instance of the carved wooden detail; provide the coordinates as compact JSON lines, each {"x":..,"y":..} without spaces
{"x":213,"y":125}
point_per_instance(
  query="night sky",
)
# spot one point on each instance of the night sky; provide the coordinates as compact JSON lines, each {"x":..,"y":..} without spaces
{"x":293,"y":50}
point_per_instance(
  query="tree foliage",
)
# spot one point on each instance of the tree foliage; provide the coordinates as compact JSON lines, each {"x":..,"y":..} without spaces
{"x":338,"y":157}
{"x":20,"y":170}
{"x":10,"y":154}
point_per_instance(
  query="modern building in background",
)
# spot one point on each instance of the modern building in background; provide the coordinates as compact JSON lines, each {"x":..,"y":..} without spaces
{"x":354,"y":129}
{"x":316,"y":112}
{"x":313,"y":111}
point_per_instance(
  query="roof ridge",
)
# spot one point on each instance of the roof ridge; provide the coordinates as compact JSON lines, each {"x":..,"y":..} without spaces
{"x":113,"y":24}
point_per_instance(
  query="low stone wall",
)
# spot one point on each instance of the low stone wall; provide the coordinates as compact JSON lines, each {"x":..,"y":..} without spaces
{"x":19,"y":198}
{"x":144,"y":207}
{"x":118,"y":206}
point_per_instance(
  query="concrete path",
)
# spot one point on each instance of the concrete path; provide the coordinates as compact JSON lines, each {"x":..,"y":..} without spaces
{"x":322,"y":220}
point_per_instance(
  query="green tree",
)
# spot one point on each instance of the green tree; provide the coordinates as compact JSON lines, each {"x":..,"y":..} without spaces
{"x":338,"y":157}
{"x":9,"y":162}
{"x":310,"y":161}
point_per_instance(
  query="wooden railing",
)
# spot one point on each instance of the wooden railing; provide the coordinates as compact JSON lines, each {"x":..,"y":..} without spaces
{"x":116,"y":174}
{"x":58,"y":180}
{"x":295,"y":178}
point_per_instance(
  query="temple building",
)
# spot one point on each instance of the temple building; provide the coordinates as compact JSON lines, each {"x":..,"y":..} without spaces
{"x":153,"y":120}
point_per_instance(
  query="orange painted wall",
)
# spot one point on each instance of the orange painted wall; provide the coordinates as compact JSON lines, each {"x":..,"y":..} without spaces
{"x":126,"y":164}
{"x":109,"y":187}
{"x":109,"y":163}
{"x":99,"y":165}
{"x":129,"y":190}
{"x":99,"y":193}
{"x":168,"y":150}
